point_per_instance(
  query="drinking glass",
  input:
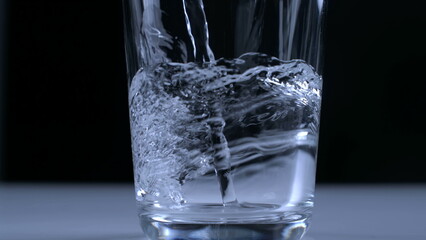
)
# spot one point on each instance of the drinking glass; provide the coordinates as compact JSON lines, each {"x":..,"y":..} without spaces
{"x":224,"y":102}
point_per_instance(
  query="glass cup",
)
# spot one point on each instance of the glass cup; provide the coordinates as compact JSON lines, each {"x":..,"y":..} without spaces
{"x":224,"y":101}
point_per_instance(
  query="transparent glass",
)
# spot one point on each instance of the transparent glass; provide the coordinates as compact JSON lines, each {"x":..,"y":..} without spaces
{"x":224,"y":101}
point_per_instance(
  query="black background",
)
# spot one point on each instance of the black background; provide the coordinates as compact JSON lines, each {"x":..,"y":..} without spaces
{"x":65,"y":112}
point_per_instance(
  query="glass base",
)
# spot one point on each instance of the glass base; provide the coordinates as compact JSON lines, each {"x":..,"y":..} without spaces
{"x":156,"y":227}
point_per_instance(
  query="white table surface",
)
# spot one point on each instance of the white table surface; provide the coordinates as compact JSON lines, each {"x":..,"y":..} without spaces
{"x":108,"y":212}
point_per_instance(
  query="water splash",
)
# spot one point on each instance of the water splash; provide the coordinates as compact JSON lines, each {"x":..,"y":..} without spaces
{"x":190,"y":121}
